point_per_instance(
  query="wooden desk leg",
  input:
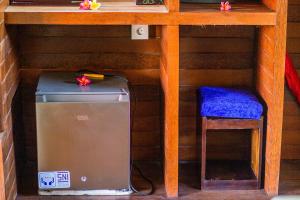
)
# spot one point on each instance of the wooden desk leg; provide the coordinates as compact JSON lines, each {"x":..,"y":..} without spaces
{"x":169,"y":67}
{"x":270,"y":85}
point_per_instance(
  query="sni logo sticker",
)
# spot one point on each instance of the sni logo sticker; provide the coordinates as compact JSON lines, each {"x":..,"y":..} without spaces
{"x":55,"y":179}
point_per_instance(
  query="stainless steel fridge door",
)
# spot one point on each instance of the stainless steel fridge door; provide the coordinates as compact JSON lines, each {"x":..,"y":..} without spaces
{"x":91,"y":140}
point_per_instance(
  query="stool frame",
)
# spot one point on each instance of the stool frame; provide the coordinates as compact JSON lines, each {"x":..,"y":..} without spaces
{"x":256,"y":152}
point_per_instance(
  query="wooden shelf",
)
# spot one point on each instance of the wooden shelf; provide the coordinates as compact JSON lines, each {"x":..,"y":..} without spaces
{"x":269,"y":69}
{"x":121,"y":13}
{"x":241,"y":14}
{"x":118,"y":13}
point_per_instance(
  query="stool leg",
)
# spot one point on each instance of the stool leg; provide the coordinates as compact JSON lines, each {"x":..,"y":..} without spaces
{"x":261,"y":134}
{"x":203,"y":151}
{"x":256,"y":151}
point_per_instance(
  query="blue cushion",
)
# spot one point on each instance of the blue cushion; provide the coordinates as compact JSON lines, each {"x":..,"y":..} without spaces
{"x":229,"y":103}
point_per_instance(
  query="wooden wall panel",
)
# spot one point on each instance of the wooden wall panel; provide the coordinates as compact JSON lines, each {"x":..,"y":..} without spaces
{"x":214,"y":56}
{"x":206,"y":54}
{"x":202,"y":61}
{"x":99,"y":48}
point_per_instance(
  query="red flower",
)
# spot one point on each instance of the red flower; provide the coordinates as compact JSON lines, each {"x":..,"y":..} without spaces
{"x":225,"y":6}
{"x":83,"y":81}
{"x":85,"y":5}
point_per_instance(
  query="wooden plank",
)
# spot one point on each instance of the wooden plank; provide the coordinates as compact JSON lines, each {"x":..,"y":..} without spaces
{"x":91,"y":60}
{"x":216,"y":60}
{"x":220,"y":124}
{"x":135,"y":76}
{"x":217,"y":31}
{"x":146,"y":139}
{"x":216,"y":45}
{"x":291,"y":152}
{"x":110,"y":13}
{"x":108,"y":31}
{"x":293,"y":30}
{"x":113,"y":7}
{"x":291,"y":123}
{"x":291,"y":137}
{"x":291,"y":108}
{"x":195,"y":77}
{"x":293,"y":14}
{"x":147,"y":153}
{"x":293,"y":45}
{"x":170,"y":81}
{"x":214,"y":152}
{"x":121,"y":14}
{"x":276,"y":97}
{"x":85,"y":45}
{"x":241,"y":14}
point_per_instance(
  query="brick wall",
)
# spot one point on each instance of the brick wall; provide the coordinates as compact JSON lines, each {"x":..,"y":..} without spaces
{"x":8,"y":84}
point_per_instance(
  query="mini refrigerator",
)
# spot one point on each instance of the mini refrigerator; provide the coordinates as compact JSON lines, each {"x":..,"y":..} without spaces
{"x":83,"y":135}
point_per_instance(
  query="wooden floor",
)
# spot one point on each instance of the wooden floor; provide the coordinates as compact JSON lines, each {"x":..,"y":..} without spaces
{"x":189,"y":185}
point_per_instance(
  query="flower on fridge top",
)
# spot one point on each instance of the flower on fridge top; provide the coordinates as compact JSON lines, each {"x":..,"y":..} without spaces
{"x":83,"y":81}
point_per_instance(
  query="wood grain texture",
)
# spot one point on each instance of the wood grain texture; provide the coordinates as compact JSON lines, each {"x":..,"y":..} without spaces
{"x":209,"y":59}
{"x":291,"y":119}
{"x":127,"y":13}
{"x":115,"y":13}
{"x":241,"y":14}
{"x":170,"y":82}
{"x":202,"y":54}
{"x":273,"y":94}
{"x":209,"y":178}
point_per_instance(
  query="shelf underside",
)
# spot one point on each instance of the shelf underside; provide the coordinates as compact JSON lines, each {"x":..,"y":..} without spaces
{"x":121,"y":13}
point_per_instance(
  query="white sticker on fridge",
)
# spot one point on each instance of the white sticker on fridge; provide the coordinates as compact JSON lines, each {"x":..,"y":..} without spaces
{"x":54,"y":179}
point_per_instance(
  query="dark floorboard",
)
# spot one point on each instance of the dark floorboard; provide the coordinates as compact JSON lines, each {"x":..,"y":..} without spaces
{"x":189,"y":185}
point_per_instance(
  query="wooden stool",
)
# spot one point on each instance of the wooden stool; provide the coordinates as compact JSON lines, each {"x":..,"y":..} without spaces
{"x":220,"y":101}
{"x":256,"y":152}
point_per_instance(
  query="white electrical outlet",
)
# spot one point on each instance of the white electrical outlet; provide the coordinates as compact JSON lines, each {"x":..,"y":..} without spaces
{"x":139,"y":32}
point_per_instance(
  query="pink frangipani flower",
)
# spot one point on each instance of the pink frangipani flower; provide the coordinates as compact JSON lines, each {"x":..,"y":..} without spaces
{"x":225,"y":6}
{"x":85,"y":5}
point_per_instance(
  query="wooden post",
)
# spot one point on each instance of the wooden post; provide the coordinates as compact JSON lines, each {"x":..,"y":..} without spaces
{"x":173,"y":5}
{"x":169,"y":67}
{"x":270,"y":85}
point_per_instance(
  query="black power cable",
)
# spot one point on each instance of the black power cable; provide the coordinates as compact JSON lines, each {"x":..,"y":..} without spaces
{"x":142,"y":193}
{"x":132,"y":165}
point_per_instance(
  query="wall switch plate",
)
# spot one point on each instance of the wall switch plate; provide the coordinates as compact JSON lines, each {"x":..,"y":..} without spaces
{"x":139,"y":32}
